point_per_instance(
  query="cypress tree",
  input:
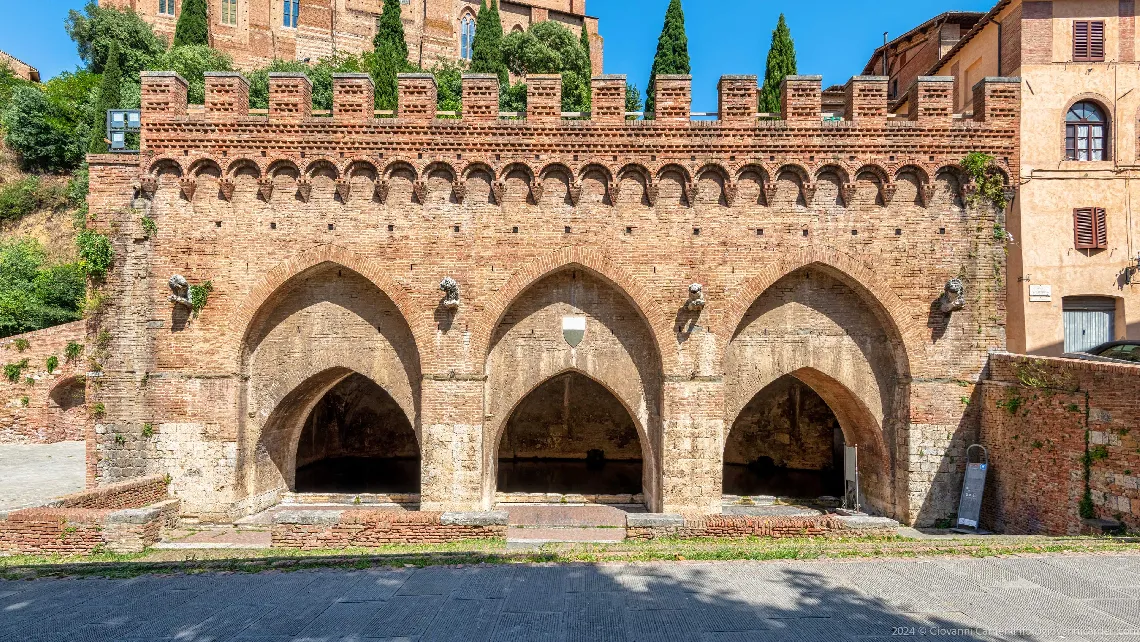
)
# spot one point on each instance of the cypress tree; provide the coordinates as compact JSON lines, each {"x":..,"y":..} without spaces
{"x":781,"y":63}
{"x":487,"y":50}
{"x":192,"y":28}
{"x":390,"y":54}
{"x":586,"y":46}
{"x":109,"y":90}
{"x":672,"y":51}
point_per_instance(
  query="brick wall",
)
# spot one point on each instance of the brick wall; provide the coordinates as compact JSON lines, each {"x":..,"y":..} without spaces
{"x":1041,"y":418}
{"x":364,"y":528}
{"x":741,"y":526}
{"x":326,"y":239}
{"x":41,"y":406}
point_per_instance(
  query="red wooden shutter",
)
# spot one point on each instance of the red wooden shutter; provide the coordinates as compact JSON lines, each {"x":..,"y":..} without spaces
{"x":1096,"y":40}
{"x":1101,"y":220}
{"x":1090,"y":228}
{"x":1081,"y":40}
{"x":1084,"y":228}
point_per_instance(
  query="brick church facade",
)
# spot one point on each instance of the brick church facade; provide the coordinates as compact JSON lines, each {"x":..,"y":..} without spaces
{"x":670,"y":269}
{"x":254,"y":32}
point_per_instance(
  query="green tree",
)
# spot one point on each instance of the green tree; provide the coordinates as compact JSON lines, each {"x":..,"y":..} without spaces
{"x":192,"y":28}
{"x":192,"y":62}
{"x":109,"y":94}
{"x":586,"y":47}
{"x":550,"y":48}
{"x":389,"y":56}
{"x":632,"y":99}
{"x":49,"y":126}
{"x":487,"y":50}
{"x":96,"y":28}
{"x":33,"y":293}
{"x":672,"y":51}
{"x":781,"y":64}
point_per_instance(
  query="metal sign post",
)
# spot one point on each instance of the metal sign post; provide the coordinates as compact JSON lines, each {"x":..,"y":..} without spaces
{"x":973,"y":487}
{"x":851,"y":499}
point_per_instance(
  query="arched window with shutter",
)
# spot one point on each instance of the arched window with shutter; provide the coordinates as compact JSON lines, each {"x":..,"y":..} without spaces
{"x":1086,"y":132}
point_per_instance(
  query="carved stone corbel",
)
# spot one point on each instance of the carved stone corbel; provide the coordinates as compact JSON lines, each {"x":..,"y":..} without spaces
{"x":265,"y":188}
{"x":696,"y":301}
{"x":809,"y":190}
{"x":450,"y":289}
{"x":575,"y":191}
{"x":304,"y":188}
{"x":226,"y":188}
{"x":731,"y":189}
{"x":888,"y":192}
{"x":769,"y":194}
{"x":459,"y":189}
{"x":537,"y":189}
{"x":691,"y":191}
{"x":926,"y":194}
{"x":188,"y":184}
{"x":381,"y":190}
{"x":498,"y":188}
{"x":419,"y":188}
{"x":148,"y":185}
{"x":847,"y":192}
{"x":343,"y":189}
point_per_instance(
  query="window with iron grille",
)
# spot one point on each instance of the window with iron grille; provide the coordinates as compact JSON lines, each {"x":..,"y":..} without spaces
{"x":1085,"y":132}
{"x":1088,"y":41}
{"x":1090,"y":228}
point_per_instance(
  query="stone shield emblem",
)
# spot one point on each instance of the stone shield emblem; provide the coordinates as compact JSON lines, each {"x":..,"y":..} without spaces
{"x":573,"y":330}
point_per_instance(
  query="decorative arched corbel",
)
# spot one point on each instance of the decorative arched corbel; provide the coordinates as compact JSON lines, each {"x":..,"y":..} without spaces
{"x":847,"y":192}
{"x":691,"y":190}
{"x":459,"y":189}
{"x":498,"y":188}
{"x":188,"y":184}
{"x":265,"y":188}
{"x":926,"y":194}
{"x":419,"y":188}
{"x":304,"y":188}
{"x":537,"y":189}
{"x":770,"y":190}
{"x":888,"y":191}
{"x":652,"y":190}
{"x":614,"y":189}
{"x":343,"y":189}
{"x":226,"y":188}
{"x":575,"y":191}
{"x":381,"y":190}
{"x":808,"y":190}
{"x":148,"y":186}
{"x":731,"y":189}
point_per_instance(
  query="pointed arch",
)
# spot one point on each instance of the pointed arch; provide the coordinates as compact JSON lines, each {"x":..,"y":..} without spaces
{"x":239,"y":322}
{"x":595,"y":262}
{"x":896,"y":315}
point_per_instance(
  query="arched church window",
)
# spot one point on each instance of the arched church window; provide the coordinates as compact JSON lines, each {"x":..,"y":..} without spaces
{"x":466,"y":37}
{"x":1085,"y":132}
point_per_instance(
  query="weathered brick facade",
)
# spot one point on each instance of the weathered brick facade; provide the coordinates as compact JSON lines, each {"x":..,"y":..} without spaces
{"x":823,"y":249}
{"x":1041,"y":419}
{"x":41,"y":406}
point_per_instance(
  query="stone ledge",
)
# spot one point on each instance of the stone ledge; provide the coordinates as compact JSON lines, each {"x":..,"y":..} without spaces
{"x":307,"y":516}
{"x":866,"y":522}
{"x":654,"y":520}
{"x":480,"y":518}
{"x":141,"y":515}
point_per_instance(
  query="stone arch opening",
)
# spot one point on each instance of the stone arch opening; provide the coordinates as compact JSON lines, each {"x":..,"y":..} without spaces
{"x":574,"y":325}
{"x":315,"y":333}
{"x":828,"y":334}
{"x":571,"y":434}
{"x":357,"y":439}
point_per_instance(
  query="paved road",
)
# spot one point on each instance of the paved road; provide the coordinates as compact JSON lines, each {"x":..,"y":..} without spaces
{"x":1089,"y":599}
{"x":31,"y":474}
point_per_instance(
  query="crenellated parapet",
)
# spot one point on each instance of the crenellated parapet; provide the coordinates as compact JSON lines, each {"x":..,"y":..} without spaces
{"x":740,"y":146}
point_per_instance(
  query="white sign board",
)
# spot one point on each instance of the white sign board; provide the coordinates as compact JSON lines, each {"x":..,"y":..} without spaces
{"x":1040,"y":293}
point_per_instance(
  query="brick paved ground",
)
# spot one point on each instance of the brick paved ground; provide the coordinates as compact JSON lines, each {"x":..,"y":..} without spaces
{"x":1073,"y":598}
{"x":31,"y":474}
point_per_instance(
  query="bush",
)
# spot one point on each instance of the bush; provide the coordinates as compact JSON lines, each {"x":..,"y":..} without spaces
{"x":95,"y":254}
{"x":22,"y":197}
{"x":33,"y":133}
{"x":192,"y":62}
{"x":34,"y":295}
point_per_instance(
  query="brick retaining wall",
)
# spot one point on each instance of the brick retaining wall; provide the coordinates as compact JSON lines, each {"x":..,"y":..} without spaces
{"x":1040,"y":418}
{"x":317,"y":529}
{"x":29,"y":412}
{"x":122,"y":518}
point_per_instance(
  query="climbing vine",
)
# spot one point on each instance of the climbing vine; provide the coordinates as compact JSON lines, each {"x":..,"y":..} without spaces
{"x":987,"y":178}
{"x":95,"y":253}
{"x":200,"y":295}
{"x":13,"y":370}
{"x":149,"y":226}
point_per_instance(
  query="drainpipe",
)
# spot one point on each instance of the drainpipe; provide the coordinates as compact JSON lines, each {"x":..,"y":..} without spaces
{"x":885,"y":70}
{"x":999,"y":61}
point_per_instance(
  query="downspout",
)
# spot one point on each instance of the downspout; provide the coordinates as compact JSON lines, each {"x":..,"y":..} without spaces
{"x":999,"y":61}
{"x":423,"y":30}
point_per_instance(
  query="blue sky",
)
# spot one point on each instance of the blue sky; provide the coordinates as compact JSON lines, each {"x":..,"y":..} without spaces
{"x":725,"y":36}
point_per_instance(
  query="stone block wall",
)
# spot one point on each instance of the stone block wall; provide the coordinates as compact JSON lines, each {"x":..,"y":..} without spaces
{"x":741,"y":526}
{"x":326,"y":241}
{"x":1042,"y":420}
{"x":41,"y":406}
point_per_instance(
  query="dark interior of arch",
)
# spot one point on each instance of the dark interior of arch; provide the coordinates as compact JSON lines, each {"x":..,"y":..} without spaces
{"x":787,"y":443}
{"x":357,"y":439}
{"x":570,"y":435}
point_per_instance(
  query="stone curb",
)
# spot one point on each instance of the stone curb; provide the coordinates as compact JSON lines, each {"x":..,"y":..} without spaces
{"x":302,"y":516}
{"x":479,"y":518}
{"x":866,"y":522}
{"x":653,"y":520}
{"x":139,"y":515}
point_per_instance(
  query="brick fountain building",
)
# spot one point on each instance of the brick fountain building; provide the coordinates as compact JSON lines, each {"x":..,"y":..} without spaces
{"x":465,"y":294}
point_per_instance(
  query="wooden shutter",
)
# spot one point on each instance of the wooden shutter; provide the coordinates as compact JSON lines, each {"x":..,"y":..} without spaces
{"x":1088,"y":40}
{"x":1090,"y":228}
